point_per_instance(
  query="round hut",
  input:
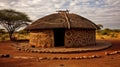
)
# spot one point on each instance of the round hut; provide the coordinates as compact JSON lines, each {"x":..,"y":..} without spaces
{"x":62,"y":29}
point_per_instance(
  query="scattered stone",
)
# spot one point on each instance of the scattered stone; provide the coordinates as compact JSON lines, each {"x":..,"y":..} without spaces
{"x":55,"y":58}
{"x":7,"y":55}
{"x":19,"y":49}
{"x":44,"y":58}
{"x":95,"y":56}
{"x":77,"y":58}
{"x":112,"y":53}
{"x":65,"y":58}
{"x":73,"y":58}
{"x":106,"y":53}
{"x":4,"y":55}
{"x":40,"y":58}
{"x":118,"y":52}
{"x":85,"y":57}
{"x":61,"y":64}
{"x":60,"y":58}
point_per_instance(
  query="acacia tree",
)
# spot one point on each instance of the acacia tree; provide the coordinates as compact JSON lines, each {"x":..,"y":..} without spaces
{"x":12,"y":20}
{"x":100,"y":26}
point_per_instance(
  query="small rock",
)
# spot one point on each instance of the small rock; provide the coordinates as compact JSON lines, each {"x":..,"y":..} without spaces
{"x":93,"y":56}
{"x":44,"y":58}
{"x":19,"y":49}
{"x":65,"y":58}
{"x":73,"y":58}
{"x":40,"y":58}
{"x":77,"y":58}
{"x":55,"y":58}
{"x":61,"y":64}
{"x":106,"y":53}
{"x":7,"y":55}
{"x":4,"y":55}
{"x":118,"y":52}
{"x":61,"y":58}
{"x":115,"y":52}
{"x":85,"y":57}
{"x":112,"y":53}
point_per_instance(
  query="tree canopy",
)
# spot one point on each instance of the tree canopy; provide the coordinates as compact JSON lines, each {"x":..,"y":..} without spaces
{"x":100,"y":26}
{"x":12,"y":20}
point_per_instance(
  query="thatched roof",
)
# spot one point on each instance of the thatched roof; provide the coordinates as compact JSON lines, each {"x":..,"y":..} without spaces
{"x":58,"y":20}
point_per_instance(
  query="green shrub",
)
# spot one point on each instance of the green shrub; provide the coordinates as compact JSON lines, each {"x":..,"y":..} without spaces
{"x":104,"y":32}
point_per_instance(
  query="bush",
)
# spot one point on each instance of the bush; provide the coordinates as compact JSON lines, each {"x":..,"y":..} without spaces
{"x":104,"y":32}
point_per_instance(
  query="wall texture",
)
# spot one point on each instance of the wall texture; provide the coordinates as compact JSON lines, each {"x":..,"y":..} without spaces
{"x":73,"y":38}
{"x":43,"y":38}
{"x":79,"y":37}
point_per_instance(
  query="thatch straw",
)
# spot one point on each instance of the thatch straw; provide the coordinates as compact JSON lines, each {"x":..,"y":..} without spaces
{"x":58,"y":21}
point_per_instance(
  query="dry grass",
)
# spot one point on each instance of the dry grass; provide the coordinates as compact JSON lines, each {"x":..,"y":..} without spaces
{"x":112,"y":35}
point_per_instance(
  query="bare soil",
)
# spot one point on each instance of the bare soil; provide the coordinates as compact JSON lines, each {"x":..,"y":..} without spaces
{"x":104,"y":61}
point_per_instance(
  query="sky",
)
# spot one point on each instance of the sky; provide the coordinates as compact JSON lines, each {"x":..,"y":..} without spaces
{"x":105,"y":12}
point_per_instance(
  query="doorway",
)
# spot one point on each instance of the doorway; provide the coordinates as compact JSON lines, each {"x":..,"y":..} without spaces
{"x":59,"y":37}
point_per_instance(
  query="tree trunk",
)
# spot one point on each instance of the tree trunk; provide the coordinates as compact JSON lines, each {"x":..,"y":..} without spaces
{"x":11,"y":36}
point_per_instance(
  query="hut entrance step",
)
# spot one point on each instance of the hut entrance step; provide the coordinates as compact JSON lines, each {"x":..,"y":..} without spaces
{"x":59,"y":37}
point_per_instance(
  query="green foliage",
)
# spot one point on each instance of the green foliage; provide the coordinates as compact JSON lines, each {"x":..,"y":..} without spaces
{"x":116,"y":30}
{"x":104,"y":32}
{"x":12,"y":20}
{"x":100,"y":26}
{"x":12,"y":15}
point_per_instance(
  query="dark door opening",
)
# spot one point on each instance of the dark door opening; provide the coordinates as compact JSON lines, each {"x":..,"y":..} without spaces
{"x":59,"y":37}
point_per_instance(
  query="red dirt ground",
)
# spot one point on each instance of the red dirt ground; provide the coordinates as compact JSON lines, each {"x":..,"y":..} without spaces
{"x":105,"y":61}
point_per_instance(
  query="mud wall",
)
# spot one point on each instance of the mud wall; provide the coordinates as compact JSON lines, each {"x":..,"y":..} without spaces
{"x":79,"y":37}
{"x":42,"y":38}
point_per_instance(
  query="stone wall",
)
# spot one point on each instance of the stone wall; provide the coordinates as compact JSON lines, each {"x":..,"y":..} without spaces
{"x":42,"y":38}
{"x":79,"y":37}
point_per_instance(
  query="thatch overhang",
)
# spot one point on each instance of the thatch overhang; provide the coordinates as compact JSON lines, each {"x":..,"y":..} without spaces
{"x":58,"y":20}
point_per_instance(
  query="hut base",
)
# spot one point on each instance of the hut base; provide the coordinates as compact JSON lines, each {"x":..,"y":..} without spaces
{"x":100,"y":45}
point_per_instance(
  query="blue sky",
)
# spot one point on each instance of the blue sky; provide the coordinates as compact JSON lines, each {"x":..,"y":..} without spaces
{"x":106,"y":12}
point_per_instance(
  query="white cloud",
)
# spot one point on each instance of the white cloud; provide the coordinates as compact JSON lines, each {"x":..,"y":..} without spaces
{"x":2,"y":4}
{"x":99,"y":11}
